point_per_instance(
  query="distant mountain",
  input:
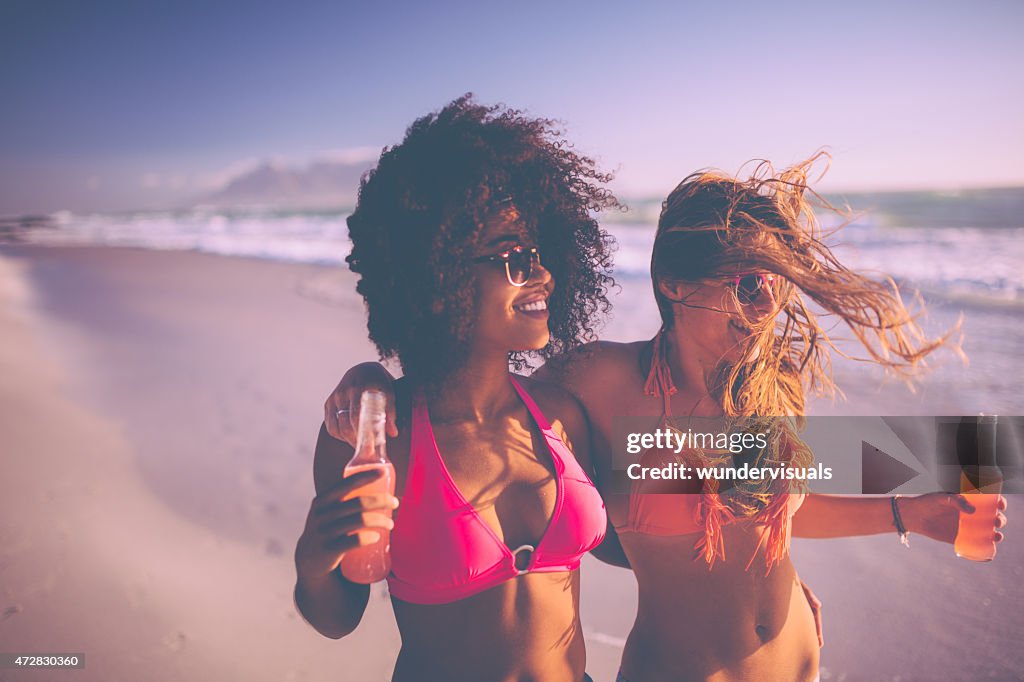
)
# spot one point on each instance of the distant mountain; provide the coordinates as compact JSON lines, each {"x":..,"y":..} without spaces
{"x":319,"y":185}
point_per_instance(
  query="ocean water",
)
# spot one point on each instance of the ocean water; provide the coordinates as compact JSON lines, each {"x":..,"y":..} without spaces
{"x":966,"y":246}
{"x":972,"y":249}
{"x":295,"y":236}
{"x":963,"y":251}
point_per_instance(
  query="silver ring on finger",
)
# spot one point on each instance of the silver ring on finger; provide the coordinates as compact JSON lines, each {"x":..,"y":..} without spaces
{"x":342,"y":411}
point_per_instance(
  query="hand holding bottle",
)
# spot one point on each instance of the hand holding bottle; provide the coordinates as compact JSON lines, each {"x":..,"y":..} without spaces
{"x":938,"y":515}
{"x":340,"y":521}
{"x":341,"y":409}
{"x":371,"y":562}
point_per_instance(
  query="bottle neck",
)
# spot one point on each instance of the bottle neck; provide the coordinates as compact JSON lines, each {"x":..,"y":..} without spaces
{"x":370,"y":435}
{"x":370,"y":440}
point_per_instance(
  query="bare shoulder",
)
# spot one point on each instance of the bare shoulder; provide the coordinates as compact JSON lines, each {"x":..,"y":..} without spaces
{"x":554,"y":400}
{"x":594,"y":368}
{"x":615,"y":353}
{"x":593,"y":362}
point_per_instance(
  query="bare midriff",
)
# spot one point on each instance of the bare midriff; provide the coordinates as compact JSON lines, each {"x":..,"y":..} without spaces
{"x":523,"y":629}
{"x":726,"y":624}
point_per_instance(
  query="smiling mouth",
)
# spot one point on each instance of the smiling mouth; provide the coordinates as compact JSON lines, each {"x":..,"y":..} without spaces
{"x":533,"y":308}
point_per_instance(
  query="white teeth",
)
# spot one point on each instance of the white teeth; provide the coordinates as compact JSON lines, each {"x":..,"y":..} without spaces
{"x":533,"y":306}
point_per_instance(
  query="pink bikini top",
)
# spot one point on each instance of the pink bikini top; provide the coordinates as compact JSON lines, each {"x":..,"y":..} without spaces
{"x":442,"y":551}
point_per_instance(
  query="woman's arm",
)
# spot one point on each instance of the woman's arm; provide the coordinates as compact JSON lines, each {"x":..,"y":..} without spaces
{"x":566,"y":370}
{"x":610,"y":550}
{"x":325,"y":598}
{"x":579,"y":438}
{"x":836,"y":516}
{"x":935,"y":515}
{"x":341,"y":409}
{"x":331,"y":604}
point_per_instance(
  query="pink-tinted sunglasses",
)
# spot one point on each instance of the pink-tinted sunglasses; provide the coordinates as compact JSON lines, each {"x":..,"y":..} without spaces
{"x":749,"y":286}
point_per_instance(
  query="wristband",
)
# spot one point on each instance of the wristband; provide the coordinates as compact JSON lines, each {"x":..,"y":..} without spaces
{"x":898,"y":522}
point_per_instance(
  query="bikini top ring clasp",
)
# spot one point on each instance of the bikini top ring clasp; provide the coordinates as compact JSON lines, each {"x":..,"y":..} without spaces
{"x":515,"y":558}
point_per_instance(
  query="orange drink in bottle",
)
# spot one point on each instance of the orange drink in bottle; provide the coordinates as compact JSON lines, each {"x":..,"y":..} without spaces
{"x":370,"y":563}
{"x":981,"y":485}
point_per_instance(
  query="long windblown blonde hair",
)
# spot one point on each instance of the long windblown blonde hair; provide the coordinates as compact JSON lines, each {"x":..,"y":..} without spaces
{"x":713,"y":225}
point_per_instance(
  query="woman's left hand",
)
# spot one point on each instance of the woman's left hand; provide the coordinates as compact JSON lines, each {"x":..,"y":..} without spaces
{"x":937,"y":515}
{"x":815,"y":605}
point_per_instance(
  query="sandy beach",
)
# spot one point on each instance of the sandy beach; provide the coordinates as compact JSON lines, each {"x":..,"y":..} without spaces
{"x":158,"y":412}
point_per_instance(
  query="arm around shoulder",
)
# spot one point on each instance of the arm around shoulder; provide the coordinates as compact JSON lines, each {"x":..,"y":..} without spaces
{"x":571,"y":369}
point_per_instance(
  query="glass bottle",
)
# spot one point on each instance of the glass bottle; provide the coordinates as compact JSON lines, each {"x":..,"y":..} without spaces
{"x":370,"y":563}
{"x":981,"y":484}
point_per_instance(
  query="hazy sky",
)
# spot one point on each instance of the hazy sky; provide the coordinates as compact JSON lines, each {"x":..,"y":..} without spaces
{"x":131,"y":104}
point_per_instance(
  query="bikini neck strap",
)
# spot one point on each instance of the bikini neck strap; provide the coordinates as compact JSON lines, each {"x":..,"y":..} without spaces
{"x":421,"y":418}
{"x":659,"y":376}
{"x":531,"y":405}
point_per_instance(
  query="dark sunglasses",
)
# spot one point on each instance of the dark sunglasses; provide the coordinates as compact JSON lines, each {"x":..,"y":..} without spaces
{"x":749,"y":287}
{"x":518,"y":263}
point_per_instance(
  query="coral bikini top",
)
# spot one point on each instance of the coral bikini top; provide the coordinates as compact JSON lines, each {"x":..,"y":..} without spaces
{"x":706,"y":512}
{"x":443,"y":551}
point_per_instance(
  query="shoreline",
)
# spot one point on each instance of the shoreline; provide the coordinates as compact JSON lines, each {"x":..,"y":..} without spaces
{"x":161,"y":410}
{"x":97,"y":560}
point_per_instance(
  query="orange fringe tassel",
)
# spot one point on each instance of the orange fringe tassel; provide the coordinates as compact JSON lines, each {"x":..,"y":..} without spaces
{"x":659,"y":378}
{"x":714,"y":513}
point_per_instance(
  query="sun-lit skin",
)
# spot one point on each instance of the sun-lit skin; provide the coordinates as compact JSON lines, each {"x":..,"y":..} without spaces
{"x":501,"y":317}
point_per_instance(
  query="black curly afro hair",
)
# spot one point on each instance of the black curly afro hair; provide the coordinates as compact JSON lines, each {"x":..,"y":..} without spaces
{"x":422,"y":209}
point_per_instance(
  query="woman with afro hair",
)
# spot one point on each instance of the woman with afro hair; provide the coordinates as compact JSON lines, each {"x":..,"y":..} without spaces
{"x":475,"y":243}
